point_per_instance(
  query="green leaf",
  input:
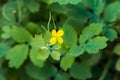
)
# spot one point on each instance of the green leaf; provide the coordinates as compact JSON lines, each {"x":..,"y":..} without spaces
{"x":38,"y":42}
{"x":6,"y":32}
{"x":70,"y":35}
{"x":67,"y":62}
{"x":33,"y":28}
{"x":108,"y":13}
{"x":80,"y":71}
{"x":43,"y":54}
{"x":62,"y":76}
{"x":90,"y":31}
{"x":76,"y":51}
{"x":8,"y":13}
{"x":93,"y":45}
{"x":117,"y":49}
{"x":91,"y":60}
{"x":96,"y":5}
{"x":3,"y":49}
{"x":33,"y":6}
{"x":77,"y":16}
{"x":39,"y":52}
{"x":41,"y":73}
{"x":17,"y":55}
{"x":20,"y":34}
{"x":55,"y":55}
{"x":47,"y":36}
{"x":63,"y":2}
{"x":33,"y":57}
{"x":57,"y":46}
{"x":111,"y":34}
{"x":117,"y":65}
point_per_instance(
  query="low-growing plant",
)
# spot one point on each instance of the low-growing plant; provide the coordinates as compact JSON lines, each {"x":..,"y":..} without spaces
{"x":59,"y":39}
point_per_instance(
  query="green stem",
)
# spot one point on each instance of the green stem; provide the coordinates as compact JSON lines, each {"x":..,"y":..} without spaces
{"x":54,"y":23}
{"x":19,"y":8}
{"x":105,"y":71}
{"x":48,"y":25}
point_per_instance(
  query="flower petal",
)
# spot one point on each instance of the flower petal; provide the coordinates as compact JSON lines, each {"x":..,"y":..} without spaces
{"x":60,"y":33}
{"x":53,"y":40}
{"x":60,"y":40}
{"x":53,"y":32}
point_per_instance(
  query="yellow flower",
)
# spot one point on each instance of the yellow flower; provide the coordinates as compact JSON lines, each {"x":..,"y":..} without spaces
{"x":56,"y":36}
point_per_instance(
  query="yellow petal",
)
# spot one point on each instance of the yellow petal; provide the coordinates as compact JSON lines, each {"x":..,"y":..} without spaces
{"x":60,"y":33}
{"x":53,"y":32}
{"x":60,"y":40}
{"x":53,"y":40}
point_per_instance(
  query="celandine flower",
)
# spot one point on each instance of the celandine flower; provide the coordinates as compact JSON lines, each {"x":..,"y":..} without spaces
{"x":56,"y":36}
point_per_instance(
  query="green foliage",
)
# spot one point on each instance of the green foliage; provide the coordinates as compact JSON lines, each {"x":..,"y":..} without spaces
{"x":96,"y":5}
{"x":17,"y":55}
{"x":2,"y":77}
{"x":90,"y":31}
{"x":111,"y":34}
{"x":67,"y":61}
{"x":55,"y":55}
{"x":117,"y":49}
{"x":7,"y":31}
{"x":33,"y":6}
{"x":34,"y":59}
{"x":90,"y":43}
{"x":3,"y":49}
{"x":43,"y":54}
{"x":76,"y":51}
{"x":113,"y":7}
{"x":66,"y":1}
{"x":18,"y":36}
{"x":90,"y":48}
{"x":80,"y":71}
{"x":70,"y":36}
{"x":117,"y":66}
{"x":62,"y":76}
{"x":8,"y":11}
{"x":41,"y":73}
{"x":33,"y":28}
{"x":37,"y":42}
{"x":95,"y":44}
{"x":16,"y":33}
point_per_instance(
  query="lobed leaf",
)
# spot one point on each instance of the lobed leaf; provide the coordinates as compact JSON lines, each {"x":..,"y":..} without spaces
{"x":90,"y":31}
{"x":6,"y":32}
{"x":55,"y":55}
{"x":111,"y":34}
{"x":108,"y":13}
{"x":95,"y":44}
{"x":33,"y":57}
{"x":76,"y":51}
{"x":20,"y":34}
{"x":17,"y":55}
{"x":67,"y":62}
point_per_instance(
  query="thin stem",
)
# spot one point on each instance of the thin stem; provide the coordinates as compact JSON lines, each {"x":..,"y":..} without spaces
{"x":105,"y":71}
{"x":54,"y":22}
{"x":48,"y":25}
{"x":19,"y":8}
{"x":43,"y":27}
